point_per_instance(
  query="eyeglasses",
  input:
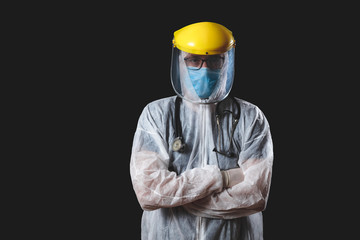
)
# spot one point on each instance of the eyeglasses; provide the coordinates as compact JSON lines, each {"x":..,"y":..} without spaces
{"x":213,"y":62}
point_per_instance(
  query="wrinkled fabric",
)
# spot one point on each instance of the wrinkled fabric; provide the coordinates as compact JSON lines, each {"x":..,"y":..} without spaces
{"x":182,"y":194}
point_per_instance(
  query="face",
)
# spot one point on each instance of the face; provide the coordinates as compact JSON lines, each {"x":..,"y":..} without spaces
{"x":204,"y":61}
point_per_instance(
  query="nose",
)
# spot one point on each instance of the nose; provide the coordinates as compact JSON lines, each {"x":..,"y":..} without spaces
{"x":204,"y":64}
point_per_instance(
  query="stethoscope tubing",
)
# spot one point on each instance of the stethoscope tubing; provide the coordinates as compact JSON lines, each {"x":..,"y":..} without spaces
{"x":179,"y":142}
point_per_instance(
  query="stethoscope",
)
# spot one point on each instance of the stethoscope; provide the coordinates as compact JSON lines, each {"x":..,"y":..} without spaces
{"x":179,"y":143}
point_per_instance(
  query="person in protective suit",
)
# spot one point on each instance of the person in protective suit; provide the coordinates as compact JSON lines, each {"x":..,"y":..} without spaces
{"x":201,"y":161}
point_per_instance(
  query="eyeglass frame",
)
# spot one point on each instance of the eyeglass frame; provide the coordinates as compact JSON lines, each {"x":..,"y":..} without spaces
{"x":205,"y":60}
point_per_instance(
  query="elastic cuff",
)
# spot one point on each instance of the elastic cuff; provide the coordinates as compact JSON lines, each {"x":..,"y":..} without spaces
{"x":225,"y":178}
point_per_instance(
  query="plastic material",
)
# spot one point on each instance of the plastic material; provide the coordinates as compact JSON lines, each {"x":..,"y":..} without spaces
{"x":184,"y":87}
{"x":204,"y":38}
{"x":182,"y":194}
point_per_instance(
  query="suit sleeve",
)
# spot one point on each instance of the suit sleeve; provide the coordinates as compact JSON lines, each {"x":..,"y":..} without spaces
{"x":154,"y":185}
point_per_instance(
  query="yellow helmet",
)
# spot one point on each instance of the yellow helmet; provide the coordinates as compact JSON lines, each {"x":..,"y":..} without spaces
{"x":204,"y":38}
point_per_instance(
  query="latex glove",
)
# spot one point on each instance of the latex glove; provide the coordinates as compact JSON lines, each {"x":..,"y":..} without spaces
{"x":232,"y":177}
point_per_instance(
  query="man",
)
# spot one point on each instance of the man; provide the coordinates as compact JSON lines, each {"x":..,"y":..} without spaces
{"x":201,"y":161}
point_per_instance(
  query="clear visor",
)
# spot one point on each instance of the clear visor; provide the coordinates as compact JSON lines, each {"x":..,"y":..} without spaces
{"x":188,"y":69}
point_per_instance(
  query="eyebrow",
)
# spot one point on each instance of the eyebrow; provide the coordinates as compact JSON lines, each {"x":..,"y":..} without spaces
{"x":192,"y":55}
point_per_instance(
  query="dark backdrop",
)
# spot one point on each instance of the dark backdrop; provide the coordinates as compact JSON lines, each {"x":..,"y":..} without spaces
{"x":116,"y":59}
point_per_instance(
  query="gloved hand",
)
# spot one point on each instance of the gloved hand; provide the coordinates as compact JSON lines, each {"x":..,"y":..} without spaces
{"x":232,"y":177}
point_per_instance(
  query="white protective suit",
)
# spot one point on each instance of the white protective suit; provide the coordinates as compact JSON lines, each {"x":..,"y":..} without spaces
{"x":182,"y":194}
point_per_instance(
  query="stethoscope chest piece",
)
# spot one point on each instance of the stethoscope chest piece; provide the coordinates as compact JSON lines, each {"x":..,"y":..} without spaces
{"x":178,"y":145}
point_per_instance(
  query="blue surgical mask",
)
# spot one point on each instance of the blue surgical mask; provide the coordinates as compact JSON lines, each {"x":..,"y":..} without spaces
{"x":204,"y":80}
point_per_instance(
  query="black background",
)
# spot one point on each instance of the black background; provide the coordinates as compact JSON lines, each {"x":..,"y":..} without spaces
{"x":109,"y":61}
